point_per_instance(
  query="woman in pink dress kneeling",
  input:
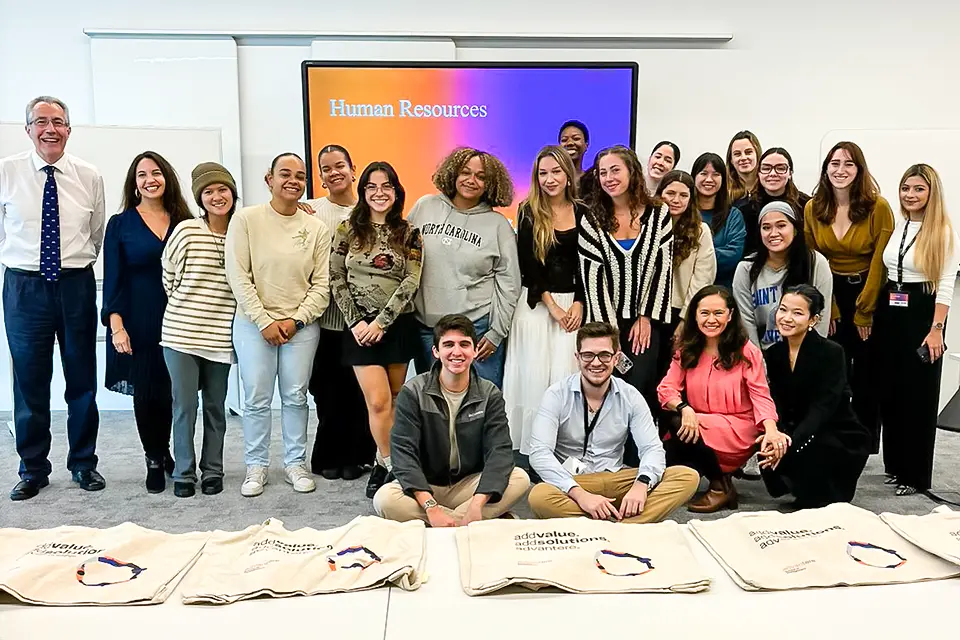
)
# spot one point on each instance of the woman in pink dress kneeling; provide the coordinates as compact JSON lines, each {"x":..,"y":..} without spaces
{"x":717,"y":387}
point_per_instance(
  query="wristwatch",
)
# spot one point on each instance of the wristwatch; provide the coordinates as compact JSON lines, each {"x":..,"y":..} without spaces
{"x":430,"y":503}
{"x":937,"y":325}
{"x":644,"y":478}
{"x":300,"y":324}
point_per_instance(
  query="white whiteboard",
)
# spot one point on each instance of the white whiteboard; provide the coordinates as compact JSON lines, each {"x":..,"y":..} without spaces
{"x":111,"y":149}
{"x":890,"y":152}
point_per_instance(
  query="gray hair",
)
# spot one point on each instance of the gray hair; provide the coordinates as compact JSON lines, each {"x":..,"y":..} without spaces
{"x":50,"y":99}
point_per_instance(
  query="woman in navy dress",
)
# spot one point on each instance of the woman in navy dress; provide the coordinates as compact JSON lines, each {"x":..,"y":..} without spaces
{"x":134,"y":302}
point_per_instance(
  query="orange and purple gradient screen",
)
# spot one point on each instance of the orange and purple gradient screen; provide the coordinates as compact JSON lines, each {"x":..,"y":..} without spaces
{"x":412,"y":117}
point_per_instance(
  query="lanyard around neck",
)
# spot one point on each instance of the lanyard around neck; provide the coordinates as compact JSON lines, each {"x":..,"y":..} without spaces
{"x":903,"y":251}
{"x":589,"y":427}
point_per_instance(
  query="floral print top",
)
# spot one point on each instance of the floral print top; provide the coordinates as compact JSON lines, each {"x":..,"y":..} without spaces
{"x":375,"y":282}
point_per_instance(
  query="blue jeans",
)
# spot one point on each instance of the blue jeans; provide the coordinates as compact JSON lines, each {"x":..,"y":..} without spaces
{"x":490,"y":369}
{"x":261,"y":366}
{"x":34,"y":312}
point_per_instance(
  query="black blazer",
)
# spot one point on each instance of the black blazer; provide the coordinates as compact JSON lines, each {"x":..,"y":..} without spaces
{"x":813,"y":400}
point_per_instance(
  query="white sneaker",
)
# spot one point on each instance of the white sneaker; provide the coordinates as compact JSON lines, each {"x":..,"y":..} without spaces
{"x":300,"y":478}
{"x":254,"y":481}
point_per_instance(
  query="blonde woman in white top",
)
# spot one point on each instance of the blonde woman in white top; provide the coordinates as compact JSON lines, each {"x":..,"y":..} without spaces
{"x":278,"y":268}
{"x":921,"y":258}
{"x":694,"y":258}
{"x":343,"y":445}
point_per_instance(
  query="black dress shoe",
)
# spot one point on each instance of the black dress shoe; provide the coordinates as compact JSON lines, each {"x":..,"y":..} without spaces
{"x":377,"y":478}
{"x":352,"y":472}
{"x":26,"y":489}
{"x":183,"y":489}
{"x":89,"y":480}
{"x":330,"y":474}
{"x":156,"y":482}
{"x":211,"y":486}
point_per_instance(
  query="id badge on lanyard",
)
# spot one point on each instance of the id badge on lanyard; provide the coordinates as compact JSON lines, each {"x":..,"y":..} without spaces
{"x":900,"y":298}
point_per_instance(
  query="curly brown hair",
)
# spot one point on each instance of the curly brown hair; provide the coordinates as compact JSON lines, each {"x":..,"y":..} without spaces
{"x":686,"y":226}
{"x":602,"y":204}
{"x":498,"y":186}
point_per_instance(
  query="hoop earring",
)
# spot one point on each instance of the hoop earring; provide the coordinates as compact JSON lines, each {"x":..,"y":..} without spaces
{"x":139,"y":197}
{"x":323,"y":184}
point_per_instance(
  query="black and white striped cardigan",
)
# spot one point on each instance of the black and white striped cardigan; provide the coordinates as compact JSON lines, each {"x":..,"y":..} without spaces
{"x":628,"y":284}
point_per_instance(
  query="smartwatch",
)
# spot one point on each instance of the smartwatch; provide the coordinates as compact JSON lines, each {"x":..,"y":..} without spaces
{"x":644,"y":478}
{"x":430,"y":503}
{"x":299,"y":324}
{"x":683,"y":403}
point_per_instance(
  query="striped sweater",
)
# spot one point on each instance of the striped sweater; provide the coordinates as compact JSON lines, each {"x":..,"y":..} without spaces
{"x":201,"y":306}
{"x":628,"y":283}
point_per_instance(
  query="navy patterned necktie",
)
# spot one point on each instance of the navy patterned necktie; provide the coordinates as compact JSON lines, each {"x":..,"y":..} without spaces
{"x":50,"y":229}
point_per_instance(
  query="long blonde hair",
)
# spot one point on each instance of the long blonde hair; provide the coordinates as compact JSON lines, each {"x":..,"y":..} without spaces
{"x":736,"y":189}
{"x":931,"y":250}
{"x":538,"y":205}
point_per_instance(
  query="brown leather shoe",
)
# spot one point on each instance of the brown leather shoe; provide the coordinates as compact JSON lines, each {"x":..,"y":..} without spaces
{"x":722,"y":494}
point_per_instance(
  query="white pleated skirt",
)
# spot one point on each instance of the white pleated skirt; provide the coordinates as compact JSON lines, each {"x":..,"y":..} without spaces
{"x":539,"y":353}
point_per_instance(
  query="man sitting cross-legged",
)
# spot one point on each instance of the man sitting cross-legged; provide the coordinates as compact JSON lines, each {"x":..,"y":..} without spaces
{"x":450,"y":444}
{"x":578,"y":439}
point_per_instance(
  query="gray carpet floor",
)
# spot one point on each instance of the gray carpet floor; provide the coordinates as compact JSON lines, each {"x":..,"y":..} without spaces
{"x":334,"y":503}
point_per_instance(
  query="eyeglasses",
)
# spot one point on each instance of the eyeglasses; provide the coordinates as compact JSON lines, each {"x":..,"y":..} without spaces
{"x":586,"y":357}
{"x":58,"y":123}
{"x":373,"y":188}
{"x":779,"y":169}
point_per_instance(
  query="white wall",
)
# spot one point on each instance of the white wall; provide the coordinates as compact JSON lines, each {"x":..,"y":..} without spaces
{"x":792,"y":72}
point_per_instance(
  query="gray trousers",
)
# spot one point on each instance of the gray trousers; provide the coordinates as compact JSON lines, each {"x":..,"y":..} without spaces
{"x":188,"y":375}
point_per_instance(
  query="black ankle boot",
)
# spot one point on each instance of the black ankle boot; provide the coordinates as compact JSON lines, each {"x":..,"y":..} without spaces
{"x":168,"y":464}
{"x":156,"y":480}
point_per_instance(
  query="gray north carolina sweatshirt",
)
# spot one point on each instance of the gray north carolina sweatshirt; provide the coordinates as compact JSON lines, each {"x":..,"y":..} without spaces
{"x":758,"y":302}
{"x":469,"y":264}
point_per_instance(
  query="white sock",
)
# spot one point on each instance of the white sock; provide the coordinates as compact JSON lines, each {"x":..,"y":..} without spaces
{"x":386,"y":462}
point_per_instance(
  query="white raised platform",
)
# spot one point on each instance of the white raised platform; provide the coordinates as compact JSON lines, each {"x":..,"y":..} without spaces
{"x":440,"y":610}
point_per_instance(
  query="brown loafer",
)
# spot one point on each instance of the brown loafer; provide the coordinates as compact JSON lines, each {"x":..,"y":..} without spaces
{"x":721,"y":495}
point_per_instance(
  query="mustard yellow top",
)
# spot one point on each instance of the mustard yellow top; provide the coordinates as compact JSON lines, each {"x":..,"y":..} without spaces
{"x":859,"y":250}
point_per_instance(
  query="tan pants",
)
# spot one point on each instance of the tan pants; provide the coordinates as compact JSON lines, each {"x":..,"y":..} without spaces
{"x":392,"y":503}
{"x":676,"y":488}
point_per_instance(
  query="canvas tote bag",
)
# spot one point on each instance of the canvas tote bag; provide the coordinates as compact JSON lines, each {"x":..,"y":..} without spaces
{"x":268,"y":559}
{"x":122,"y":565}
{"x":578,"y":555}
{"x":838,"y":545}
{"x":937,"y":532}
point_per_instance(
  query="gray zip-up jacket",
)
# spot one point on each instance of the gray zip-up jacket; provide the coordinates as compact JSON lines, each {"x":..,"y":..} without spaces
{"x":420,"y":439}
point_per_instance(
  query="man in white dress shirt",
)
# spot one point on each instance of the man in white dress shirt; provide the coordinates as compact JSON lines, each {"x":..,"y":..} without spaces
{"x":52,"y":214}
{"x":578,"y":438}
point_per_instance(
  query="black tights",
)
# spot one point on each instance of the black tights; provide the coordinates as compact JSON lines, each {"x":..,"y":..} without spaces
{"x":695,"y":455}
{"x":154,"y":417}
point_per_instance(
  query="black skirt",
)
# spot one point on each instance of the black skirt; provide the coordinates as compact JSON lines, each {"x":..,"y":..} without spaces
{"x":398,"y":345}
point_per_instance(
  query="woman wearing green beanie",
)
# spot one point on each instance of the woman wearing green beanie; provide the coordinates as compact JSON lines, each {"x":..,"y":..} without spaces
{"x":197,"y":329}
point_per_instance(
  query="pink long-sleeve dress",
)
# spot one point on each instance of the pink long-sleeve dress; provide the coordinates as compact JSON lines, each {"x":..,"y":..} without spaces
{"x":731,"y":405}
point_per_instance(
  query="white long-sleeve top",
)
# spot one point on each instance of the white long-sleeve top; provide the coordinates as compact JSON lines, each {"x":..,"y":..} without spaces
{"x":911,"y":273}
